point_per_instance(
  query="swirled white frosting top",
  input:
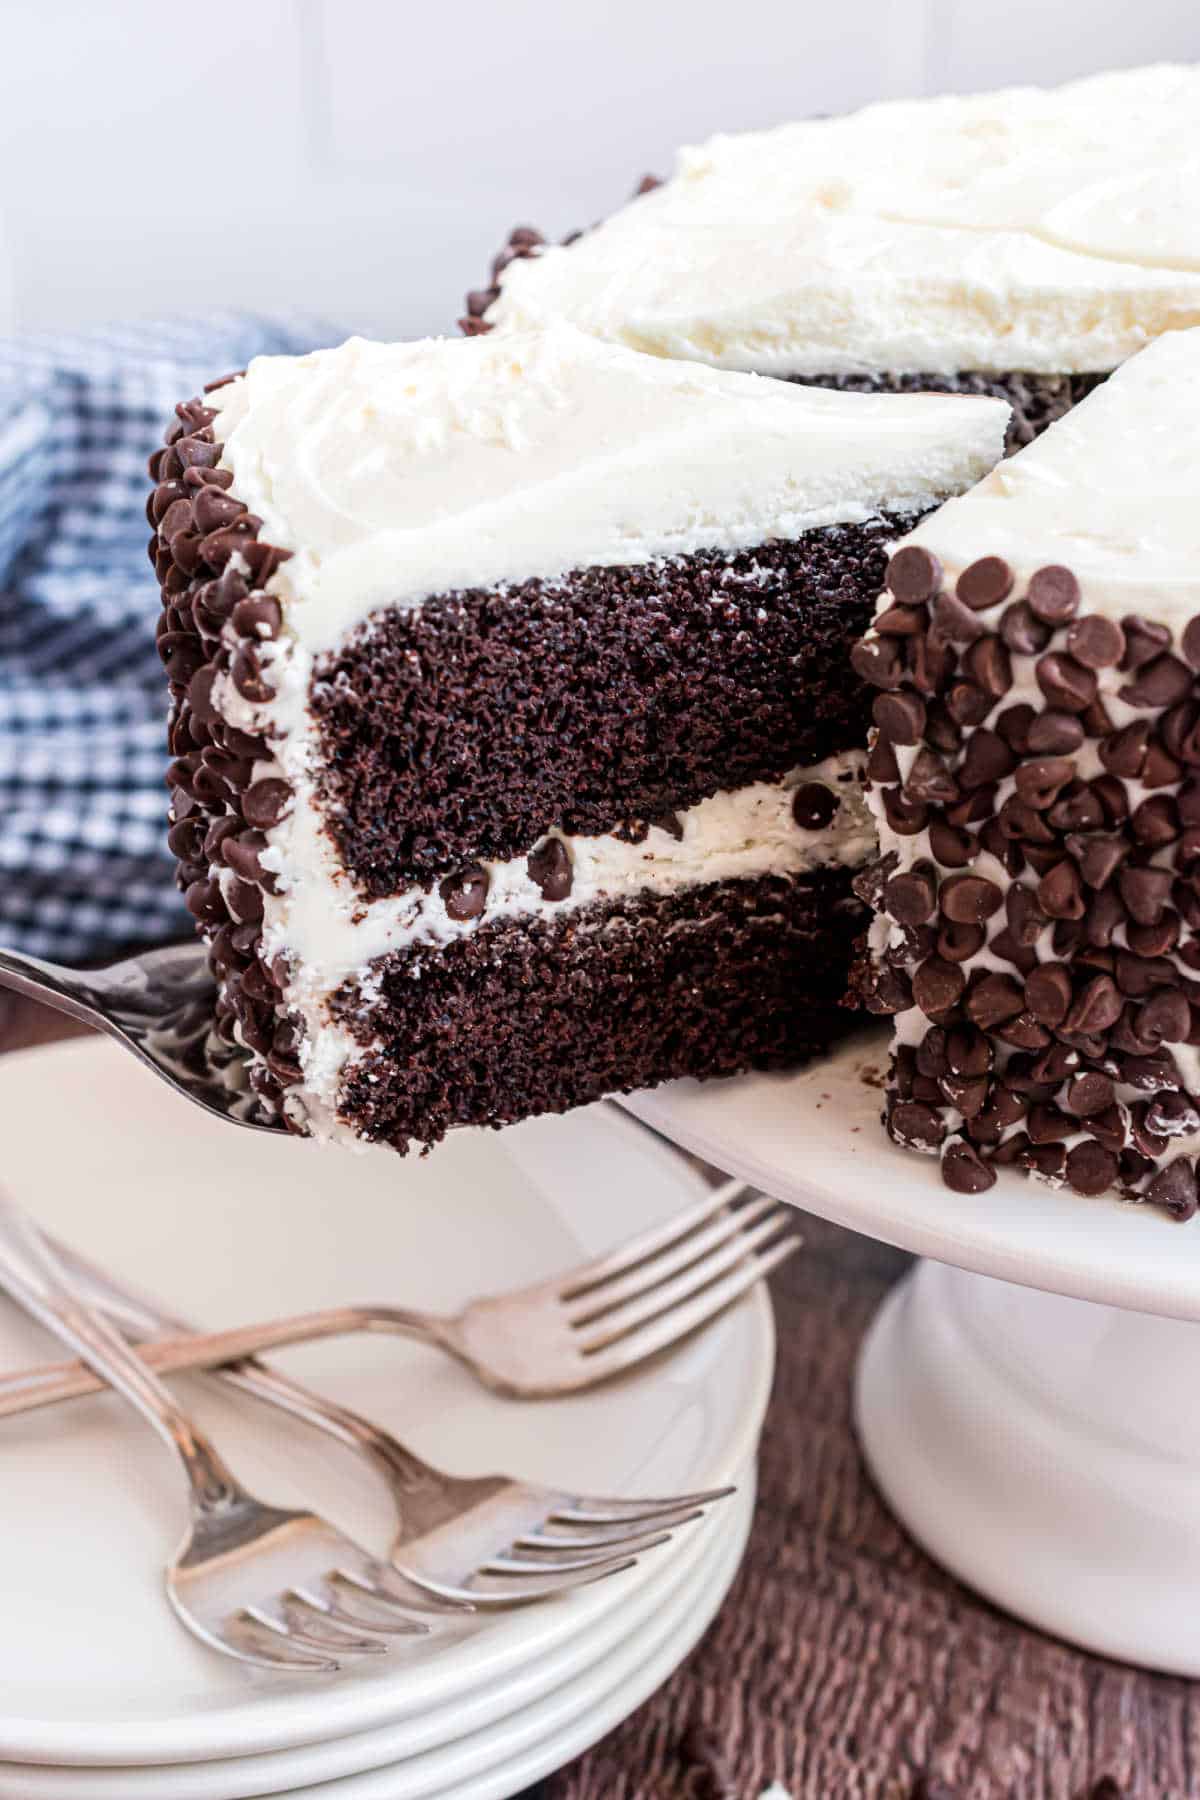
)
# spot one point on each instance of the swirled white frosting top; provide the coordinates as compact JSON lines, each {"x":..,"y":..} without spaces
{"x":1112,"y":490}
{"x":398,"y":471}
{"x":1044,"y":230}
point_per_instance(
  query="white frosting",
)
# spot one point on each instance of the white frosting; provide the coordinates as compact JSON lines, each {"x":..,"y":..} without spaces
{"x":1112,"y":490}
{"x":1030,"y":229}
{"x":396,"y":471}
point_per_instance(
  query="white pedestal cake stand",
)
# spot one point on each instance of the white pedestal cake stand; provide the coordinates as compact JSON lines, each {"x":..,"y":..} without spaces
{"x":1028,"y":1398}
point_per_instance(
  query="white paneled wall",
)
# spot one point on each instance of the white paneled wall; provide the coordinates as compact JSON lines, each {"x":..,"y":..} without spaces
{"x":362,"y":158}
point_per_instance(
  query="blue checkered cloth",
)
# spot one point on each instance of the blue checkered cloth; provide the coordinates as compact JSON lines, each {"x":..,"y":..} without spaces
{"x":84,"y":867}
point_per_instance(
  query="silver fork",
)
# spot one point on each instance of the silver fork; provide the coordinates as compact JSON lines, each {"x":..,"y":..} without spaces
{"x":559,"y":1335}
{"x":492,"y":1540}
{"x":159,"y":1006}
{"x":275,"y":1588}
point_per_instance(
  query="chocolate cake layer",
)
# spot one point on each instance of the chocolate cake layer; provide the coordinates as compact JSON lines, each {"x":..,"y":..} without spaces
{"x":1038,"y":767}
{"x":469,"y":727}
{"x":537,"y":1016}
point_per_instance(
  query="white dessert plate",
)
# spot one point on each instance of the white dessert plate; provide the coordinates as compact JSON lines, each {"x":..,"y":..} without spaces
{"x":228,"y":1225}
{"x":544,"y":1715}
{"x":814,"y":1138}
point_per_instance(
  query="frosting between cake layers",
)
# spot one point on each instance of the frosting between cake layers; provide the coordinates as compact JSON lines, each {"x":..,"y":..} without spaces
{"x":396,"y":471}
{"x":1049,"y":231}
{"x":1110,"y":490}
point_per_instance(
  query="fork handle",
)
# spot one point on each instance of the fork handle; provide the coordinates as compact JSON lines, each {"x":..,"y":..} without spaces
{"x":32,"y":1276}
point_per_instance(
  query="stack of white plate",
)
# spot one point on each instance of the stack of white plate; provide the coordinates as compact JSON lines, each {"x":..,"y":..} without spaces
{"x":104,"y":1697}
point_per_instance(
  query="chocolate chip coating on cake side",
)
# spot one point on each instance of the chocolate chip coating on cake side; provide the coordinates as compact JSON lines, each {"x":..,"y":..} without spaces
{"x":533,"y":1016}
{"x":213,"y":568}
{"x":1036,"y":772}
{"x":467,"y":728}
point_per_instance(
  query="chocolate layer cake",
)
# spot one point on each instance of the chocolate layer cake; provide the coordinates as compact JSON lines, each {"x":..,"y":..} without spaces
{"x":1036,"y":780}
{"x":516,"y":742}
{"x":1021,"y":243}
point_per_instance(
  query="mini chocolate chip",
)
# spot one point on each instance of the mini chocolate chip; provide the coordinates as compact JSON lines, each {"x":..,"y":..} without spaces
{"x":900,"y":621}
{"x":916,"y":1125}
{"x":1190,"y":642}
{"x":265,"y":803}
{"x":1055,"y":734}
{"x":890,"y":992}
{"x":930,"y":662}
{"x":1040,"y":782}
{"x":967,"y":704}
{"x":967,"y":1051}
{"x":1145,"y":893}
{"x":1164,"y":1019}
{"x":1125,"y":751}
{"x":914,"y":574}
{"x":964,"y":1171}
{"x":1144,"y":639}
{"x":988,"y":758}
{"x":905,"y":816}
{"x":1026,"y":920}
{"x":550,"y":869}
{"x":954,"y":622}
{"x":813,"y":805}
{"x":205,"y":902}
{"x":248,"y":677}
{"x":1054,"y":594}
{"x":672,"y":824}
{"x":930,"y":781}
{"x":941,"y":730}
{"x":1159,"y":769}
{"x":984,"y":583}
{"x":259,"y":616}
{"x":882,"y":767}
{"x":931,"y":1053}
{"x":910,"y":898}
{"x":1155,"y":822}
{"x":959,"y":943}
{"x":1114,"y":801}
{"x":1060,"y":892}
{"x":1096,"y":1007}
{"x":987,"y":663}
{"x":938,"y":985}
{"x":1175,"y":1187}
{"x":952,"y":848}
{"x":1096,"y":642}
{"x":1090,"y":1168}
{"x":1022,"y":631}
{"x":1089,"y":1093}
{"x":1014,"y":725}
{"x":213,"y":509}
{"x":1046,"y":1124}
{"x":1048,"y":993}
{"x":1067,"y":685}
{"x":1160,"y":683}
{"x":1156,"y":940}
{"x":877,"y":661}
{"x":464,"y":895}
{"x":993,"y":1000}
{"x":1098,"y":857}
{"x":969,"y":899}
{"x":1096,"y":720}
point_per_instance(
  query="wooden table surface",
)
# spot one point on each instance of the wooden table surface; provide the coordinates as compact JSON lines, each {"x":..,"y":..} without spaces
{"x":844,"y":1665}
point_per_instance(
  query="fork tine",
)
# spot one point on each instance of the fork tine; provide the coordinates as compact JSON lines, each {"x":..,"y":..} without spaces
{"x":256,"y":1625}
{"x":511,"y":1594}
{"x":673,"y":1294}
{"x":390,"y":1582}
{"x":649,"y":1243}
{"x":659,"y":1333}
{"x":507,"y":1564}
{"x":393,"y":1623}
{"x":688,"y":1253}
{"x":309,"y":1623}
{"x":607,"y":1510}
{"x":599,"y":1539}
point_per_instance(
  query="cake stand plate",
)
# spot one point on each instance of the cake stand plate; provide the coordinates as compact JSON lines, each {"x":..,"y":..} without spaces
{"x":1026,"y":1399}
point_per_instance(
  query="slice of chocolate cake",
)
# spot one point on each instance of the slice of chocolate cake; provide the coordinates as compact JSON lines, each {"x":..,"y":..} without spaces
{"x":1036,"y":780}
{"x":515,"y":734}
{"x":1021,"y":243}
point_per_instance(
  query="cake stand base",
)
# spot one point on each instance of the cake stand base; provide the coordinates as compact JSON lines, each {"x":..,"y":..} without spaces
{"x":1047,"y":1452}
